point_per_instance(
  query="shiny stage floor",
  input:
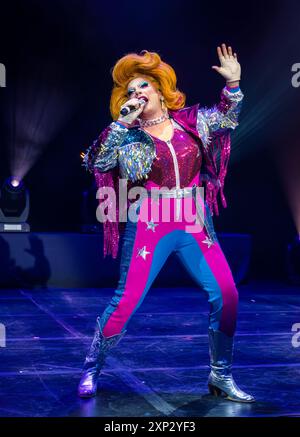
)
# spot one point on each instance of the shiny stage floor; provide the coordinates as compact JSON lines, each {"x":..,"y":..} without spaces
{"x":160,"y":368}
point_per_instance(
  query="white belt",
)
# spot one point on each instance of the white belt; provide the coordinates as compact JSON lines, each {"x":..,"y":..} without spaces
{"x":176,"y":193}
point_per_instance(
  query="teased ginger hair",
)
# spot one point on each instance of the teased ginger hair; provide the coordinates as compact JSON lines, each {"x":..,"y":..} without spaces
{"x":150,"y":66}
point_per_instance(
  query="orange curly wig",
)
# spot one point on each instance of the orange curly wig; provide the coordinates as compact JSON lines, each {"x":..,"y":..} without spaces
{"x":149,"y":66}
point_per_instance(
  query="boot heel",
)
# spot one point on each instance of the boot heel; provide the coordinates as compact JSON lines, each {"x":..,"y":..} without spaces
{"x":220,"y":380}
{"x":215,"y":391}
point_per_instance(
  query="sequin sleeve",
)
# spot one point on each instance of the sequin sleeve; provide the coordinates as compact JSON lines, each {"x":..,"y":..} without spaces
{"x":103,"y":152}
{"x":214,"y":127}
{"x":222,"y":116}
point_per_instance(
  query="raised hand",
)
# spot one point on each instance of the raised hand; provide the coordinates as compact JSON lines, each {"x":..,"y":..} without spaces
{"x":230,"y":68}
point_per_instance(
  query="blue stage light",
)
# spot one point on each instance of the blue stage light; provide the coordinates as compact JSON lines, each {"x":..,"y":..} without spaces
{"x":14,"y":206}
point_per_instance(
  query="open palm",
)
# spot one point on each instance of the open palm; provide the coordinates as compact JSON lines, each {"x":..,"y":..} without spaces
{"x":230,"y":68}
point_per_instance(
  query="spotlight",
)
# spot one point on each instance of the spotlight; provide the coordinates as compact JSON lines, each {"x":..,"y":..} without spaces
{"x":14,"y":206}
{"x":15,"y":183}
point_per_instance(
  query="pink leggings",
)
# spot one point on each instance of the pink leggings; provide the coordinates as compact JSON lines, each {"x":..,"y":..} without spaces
{"x":146,"y":247}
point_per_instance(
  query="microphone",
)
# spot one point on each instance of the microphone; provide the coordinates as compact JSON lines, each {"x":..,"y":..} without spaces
{"x":130,"y":108}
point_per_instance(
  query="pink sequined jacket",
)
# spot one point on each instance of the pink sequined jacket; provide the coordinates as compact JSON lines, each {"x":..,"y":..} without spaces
{"x":129,"y":153}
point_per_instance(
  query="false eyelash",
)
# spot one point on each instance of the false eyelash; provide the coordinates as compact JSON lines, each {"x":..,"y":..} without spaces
{"x":143,"y":85}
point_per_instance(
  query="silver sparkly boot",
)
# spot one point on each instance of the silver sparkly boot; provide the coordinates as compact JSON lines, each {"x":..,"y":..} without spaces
{"x":95,"y":361}
{"x":220,"y":381}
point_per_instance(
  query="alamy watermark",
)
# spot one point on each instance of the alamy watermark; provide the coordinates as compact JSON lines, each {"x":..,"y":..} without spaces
{"x":2,"y":76}
{"x":296,"y":336}
{"x":296,"y":77}
{"x":144,"y":205}
{"x":2,"y":335}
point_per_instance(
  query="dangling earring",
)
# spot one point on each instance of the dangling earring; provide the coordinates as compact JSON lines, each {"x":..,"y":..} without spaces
{"x":163,"y":105}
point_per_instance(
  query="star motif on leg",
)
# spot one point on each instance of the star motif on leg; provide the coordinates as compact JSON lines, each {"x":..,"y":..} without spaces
{"x":208,"y":242}
{"x":143,"y":253}
{"x":151,"y":225}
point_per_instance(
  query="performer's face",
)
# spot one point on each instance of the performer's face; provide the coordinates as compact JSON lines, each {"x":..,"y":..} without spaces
{"x":141,"y":86}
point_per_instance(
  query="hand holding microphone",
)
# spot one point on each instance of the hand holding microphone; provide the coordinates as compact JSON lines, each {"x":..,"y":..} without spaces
{"x":131,"y":110}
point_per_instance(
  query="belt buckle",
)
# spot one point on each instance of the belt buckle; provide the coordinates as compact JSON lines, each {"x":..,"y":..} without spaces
{"x":178,"y":193}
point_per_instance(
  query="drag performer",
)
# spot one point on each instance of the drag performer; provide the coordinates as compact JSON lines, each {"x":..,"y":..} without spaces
{"x":154,"y":142}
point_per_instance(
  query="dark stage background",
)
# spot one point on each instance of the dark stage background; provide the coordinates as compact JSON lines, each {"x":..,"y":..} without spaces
{"x":58,"y":57}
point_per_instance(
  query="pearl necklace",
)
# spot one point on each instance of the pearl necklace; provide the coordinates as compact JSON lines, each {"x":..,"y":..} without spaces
{"x":146,"y":123}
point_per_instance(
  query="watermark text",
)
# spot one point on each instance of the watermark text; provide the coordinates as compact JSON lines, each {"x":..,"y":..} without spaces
{"x":2,"y":335}
{"x":155,"y":205}
{"x":296,"y":336}
{"x":2,"y":76}
{"x":296,"y":77}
